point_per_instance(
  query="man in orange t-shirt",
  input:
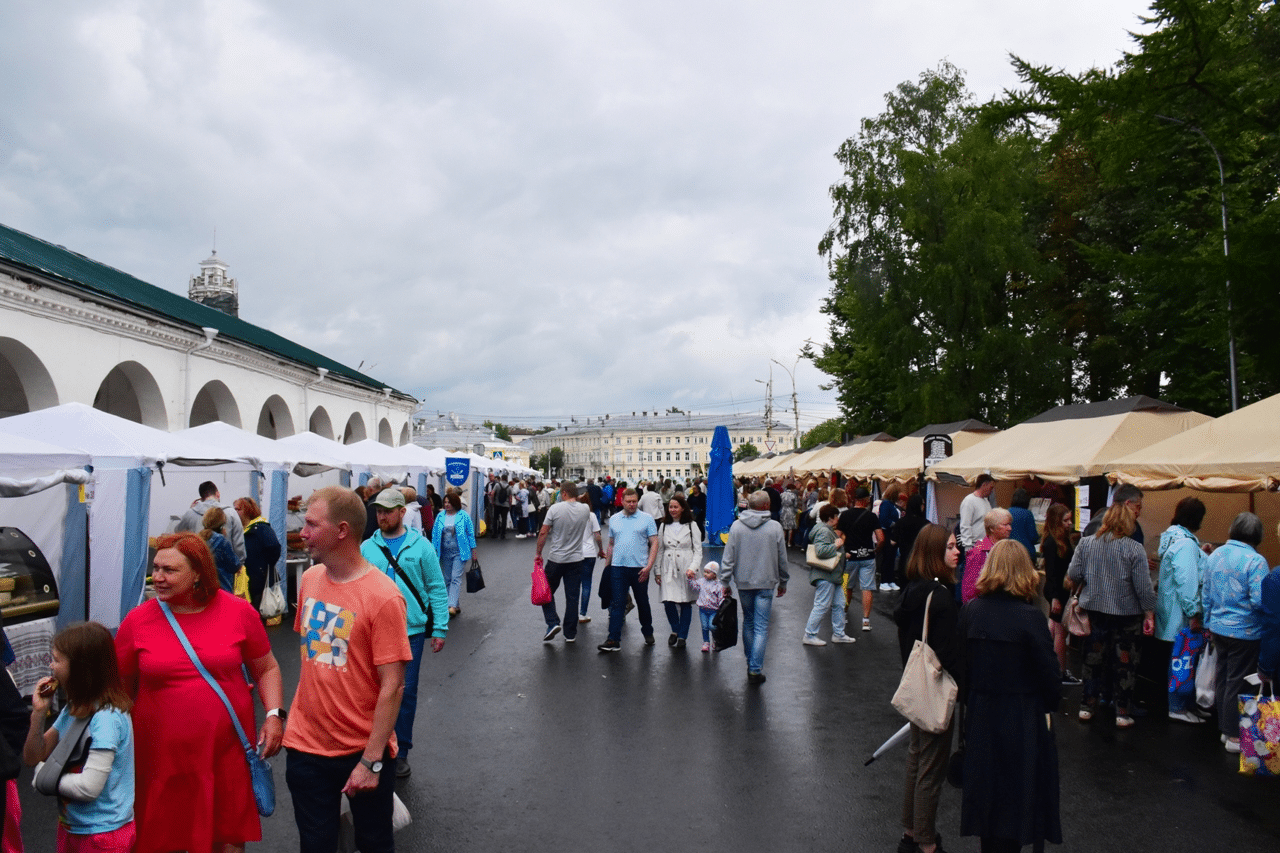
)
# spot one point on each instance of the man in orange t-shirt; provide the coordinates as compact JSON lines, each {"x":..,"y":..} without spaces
{"x":340,"y":735}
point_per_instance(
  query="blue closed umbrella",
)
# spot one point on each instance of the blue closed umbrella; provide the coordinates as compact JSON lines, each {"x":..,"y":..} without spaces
{"x":721,"y":500}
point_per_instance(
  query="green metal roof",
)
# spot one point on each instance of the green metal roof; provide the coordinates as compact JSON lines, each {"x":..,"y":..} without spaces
{"x":46,"y":259}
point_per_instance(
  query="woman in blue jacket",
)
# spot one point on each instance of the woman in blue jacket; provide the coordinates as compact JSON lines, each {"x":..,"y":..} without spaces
{"x":1178,"y":593}
{"x":454,"y":538}
{"x":1233,"y":614}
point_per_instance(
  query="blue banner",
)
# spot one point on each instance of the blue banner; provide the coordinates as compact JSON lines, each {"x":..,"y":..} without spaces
{"x":456,"y":470}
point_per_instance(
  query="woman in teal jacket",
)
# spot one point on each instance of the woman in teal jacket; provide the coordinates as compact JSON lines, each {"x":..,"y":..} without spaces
{"x":1178,"y":593}
{"x":454,"y":537}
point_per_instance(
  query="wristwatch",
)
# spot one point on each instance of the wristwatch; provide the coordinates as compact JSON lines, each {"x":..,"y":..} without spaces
{"x":278,"y":712}
{"x":374,"y":766}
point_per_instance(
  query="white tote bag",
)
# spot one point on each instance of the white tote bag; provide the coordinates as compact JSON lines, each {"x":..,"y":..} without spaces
{"x":927,"y":693}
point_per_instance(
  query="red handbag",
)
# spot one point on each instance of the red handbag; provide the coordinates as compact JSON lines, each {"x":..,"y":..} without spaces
{"x":541,"y":587}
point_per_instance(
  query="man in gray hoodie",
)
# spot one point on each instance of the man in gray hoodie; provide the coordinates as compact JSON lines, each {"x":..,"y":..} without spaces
{"x":193,"y":519}
{"x":755,"y":556}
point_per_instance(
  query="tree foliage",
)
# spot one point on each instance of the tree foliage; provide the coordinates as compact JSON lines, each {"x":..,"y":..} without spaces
{"x":1064,"y":243}
{"x":746,"y":450}
{"x":832,"y":429}
{"x":502,"y":431}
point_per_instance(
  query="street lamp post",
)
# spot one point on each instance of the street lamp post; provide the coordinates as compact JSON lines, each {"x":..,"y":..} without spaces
{"x":795,"y":406}
{"x":1226,"y":249}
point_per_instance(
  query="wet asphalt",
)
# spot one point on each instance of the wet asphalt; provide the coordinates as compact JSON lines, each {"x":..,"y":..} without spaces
{"x":522,"y":745}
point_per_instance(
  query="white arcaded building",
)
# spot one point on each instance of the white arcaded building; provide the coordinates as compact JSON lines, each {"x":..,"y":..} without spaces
{"x":73,"y":329}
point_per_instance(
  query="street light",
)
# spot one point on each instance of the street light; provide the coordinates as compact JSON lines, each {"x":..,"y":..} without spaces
{"x":795,"y":407}
{"x":1226,"y":249}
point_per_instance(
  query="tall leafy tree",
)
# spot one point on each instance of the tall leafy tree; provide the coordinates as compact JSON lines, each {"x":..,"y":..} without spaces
{"x":1202,"y":87}
{"x":935,"y":310}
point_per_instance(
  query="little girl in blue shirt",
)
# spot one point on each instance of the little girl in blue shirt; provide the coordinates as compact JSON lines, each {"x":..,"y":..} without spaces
{"x":95,"y":800}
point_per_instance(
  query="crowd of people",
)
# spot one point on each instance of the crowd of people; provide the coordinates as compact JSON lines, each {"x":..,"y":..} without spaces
{"x":385,"y":582}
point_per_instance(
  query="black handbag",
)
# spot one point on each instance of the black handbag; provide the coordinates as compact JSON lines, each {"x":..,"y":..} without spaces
{"x":475,"y":578}
{"x":724,"y":625}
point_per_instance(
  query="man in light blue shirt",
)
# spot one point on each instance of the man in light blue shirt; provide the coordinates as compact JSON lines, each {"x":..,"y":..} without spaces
{"x":633,"y":546}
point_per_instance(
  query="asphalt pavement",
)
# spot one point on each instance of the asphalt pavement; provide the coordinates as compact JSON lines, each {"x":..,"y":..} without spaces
{"x":522,"y":745}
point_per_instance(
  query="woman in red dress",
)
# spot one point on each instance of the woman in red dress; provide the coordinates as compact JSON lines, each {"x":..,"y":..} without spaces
{"x":193,"y":786}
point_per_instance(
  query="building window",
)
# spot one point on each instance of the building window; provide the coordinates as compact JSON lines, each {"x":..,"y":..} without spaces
{"x":668,"y":456}
{"x":628,"y":455}
{"x":628,"y":439}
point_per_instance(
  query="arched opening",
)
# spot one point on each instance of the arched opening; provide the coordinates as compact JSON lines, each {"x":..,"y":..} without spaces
{"x":320,"y":423}
{"x":384,"y":433}
{"x":404,"y":435}
{"x":355,"y":429}
{"x":129,"y":391}
{"x":214,"y":403}
{"x":274,"y":421}
{"x":25,"y":384}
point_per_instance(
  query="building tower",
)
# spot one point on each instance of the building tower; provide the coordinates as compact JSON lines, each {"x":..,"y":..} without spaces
{"x":213,"y":287}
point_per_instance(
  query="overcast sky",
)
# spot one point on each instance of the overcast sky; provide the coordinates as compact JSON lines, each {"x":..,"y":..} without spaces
{"x":515,"y":210}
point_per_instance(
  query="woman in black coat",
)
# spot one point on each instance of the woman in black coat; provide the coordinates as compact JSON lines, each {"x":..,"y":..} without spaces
{"x":261,"y":547}
{"x":1010,"y":686}
{"x":930,"y":571}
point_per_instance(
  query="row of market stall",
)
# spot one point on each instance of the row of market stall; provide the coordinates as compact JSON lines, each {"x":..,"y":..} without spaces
{"x":1232,"y":462}
{"x":89,"y":489}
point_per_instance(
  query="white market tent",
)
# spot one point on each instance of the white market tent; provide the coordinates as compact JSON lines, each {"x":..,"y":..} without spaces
{"x":124,"y":456}
{"x":28,"y":465}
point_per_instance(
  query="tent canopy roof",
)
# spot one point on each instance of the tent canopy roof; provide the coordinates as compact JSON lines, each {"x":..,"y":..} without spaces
{"x":104,"y":436}
{"x":1238,"y":452}
{"x":1069,"y":446}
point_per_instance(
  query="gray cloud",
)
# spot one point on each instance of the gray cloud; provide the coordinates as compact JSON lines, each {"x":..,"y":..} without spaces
{"x":565,"y":207}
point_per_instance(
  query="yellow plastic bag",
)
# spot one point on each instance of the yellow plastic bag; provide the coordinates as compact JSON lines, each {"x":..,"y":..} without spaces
{"x":241,"y":589}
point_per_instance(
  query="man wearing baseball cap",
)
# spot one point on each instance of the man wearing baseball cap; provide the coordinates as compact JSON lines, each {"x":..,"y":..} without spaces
{"x":409,"y":559}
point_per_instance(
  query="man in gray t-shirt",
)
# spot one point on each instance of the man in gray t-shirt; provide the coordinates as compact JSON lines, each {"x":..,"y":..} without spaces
{"x":564,"y":527}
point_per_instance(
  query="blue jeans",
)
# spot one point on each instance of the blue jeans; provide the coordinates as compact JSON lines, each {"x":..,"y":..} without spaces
{"x":409,"y":702}
{"x":680,"y":616}
{"x":588,"y":566}
{"x":705,"y":617}
{"x":757,"y":605}
{"x":315,"y":786}
{"x":571,"y":574}
{"x":451,"y":565}
{"x":624,"y":579}
{"x":824,"y":599}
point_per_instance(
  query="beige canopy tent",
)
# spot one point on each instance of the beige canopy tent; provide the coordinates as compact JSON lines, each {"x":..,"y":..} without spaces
{"x":804,"y":462}
{"x":863,"y":447}
{"x":1232,"y":464}
{"x":903,"y":460}
{"x":1238,"y":452}
{"x":1068,"y":443}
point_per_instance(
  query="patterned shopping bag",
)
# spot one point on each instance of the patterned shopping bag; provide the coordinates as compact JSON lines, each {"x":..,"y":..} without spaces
{"x":1259,"y":735}
{"x":1187,"y":645}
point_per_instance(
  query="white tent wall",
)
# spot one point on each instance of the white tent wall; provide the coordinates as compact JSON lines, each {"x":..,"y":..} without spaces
{"x":107,"y":545}
{"x":181,"y":487}
{"x":41,"y":516}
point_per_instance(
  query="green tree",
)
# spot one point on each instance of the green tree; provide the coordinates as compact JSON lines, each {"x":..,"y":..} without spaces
{"x":557,"y":459}
{"x":502,"y":431}
{"x":1144,"y":223}
{"x":746,"y":450}
{"x":829,"y":430}
{"x":935,"y":313}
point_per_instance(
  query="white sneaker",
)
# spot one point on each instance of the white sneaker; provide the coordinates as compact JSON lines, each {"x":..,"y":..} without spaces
{"x":842,"y":638}
{"x":886,"y":587}
{"x":1185,"y":717}
{"x":894,"y":587}
{"x":814,"y":641}
{"x":866,"y":624}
